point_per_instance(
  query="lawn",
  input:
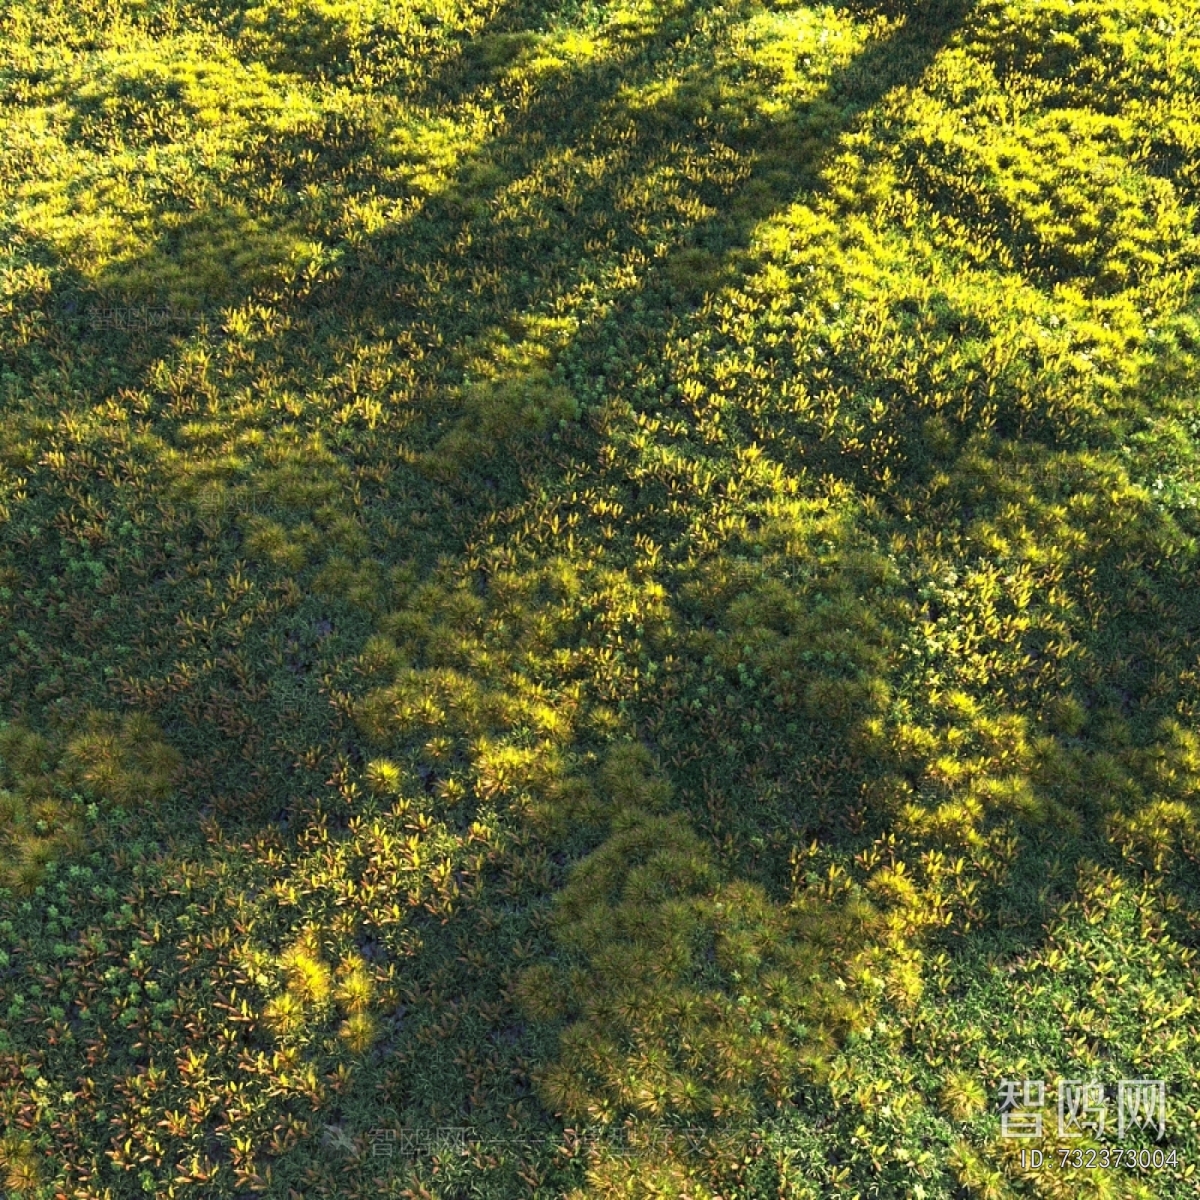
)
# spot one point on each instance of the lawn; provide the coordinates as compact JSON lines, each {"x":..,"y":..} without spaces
{"x":599,"y":600}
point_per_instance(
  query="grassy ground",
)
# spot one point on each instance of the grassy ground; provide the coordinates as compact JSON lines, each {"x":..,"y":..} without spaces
{"x":618,"y":577}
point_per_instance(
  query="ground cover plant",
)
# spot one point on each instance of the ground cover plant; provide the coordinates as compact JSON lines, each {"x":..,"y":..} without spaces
{"x":614,"y":578}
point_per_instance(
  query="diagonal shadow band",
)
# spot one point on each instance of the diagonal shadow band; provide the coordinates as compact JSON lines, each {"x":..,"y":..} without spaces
{"x":786,"y":155}
{"x":578,"y":109}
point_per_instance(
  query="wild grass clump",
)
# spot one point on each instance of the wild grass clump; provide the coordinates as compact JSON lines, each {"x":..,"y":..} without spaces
{"x":682,"y":993}
{"x":313,"y":991}
{"x":19,"y":1162}
{"x":50,"y":791}
{"x":500,"y":413}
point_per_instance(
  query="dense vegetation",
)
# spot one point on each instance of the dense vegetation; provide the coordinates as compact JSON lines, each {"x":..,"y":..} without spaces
{"x":620,"y":565}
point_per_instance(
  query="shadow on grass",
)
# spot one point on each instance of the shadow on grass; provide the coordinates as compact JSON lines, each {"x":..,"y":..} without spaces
{"x":467,"y":266}
{"x":225,"y":256}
